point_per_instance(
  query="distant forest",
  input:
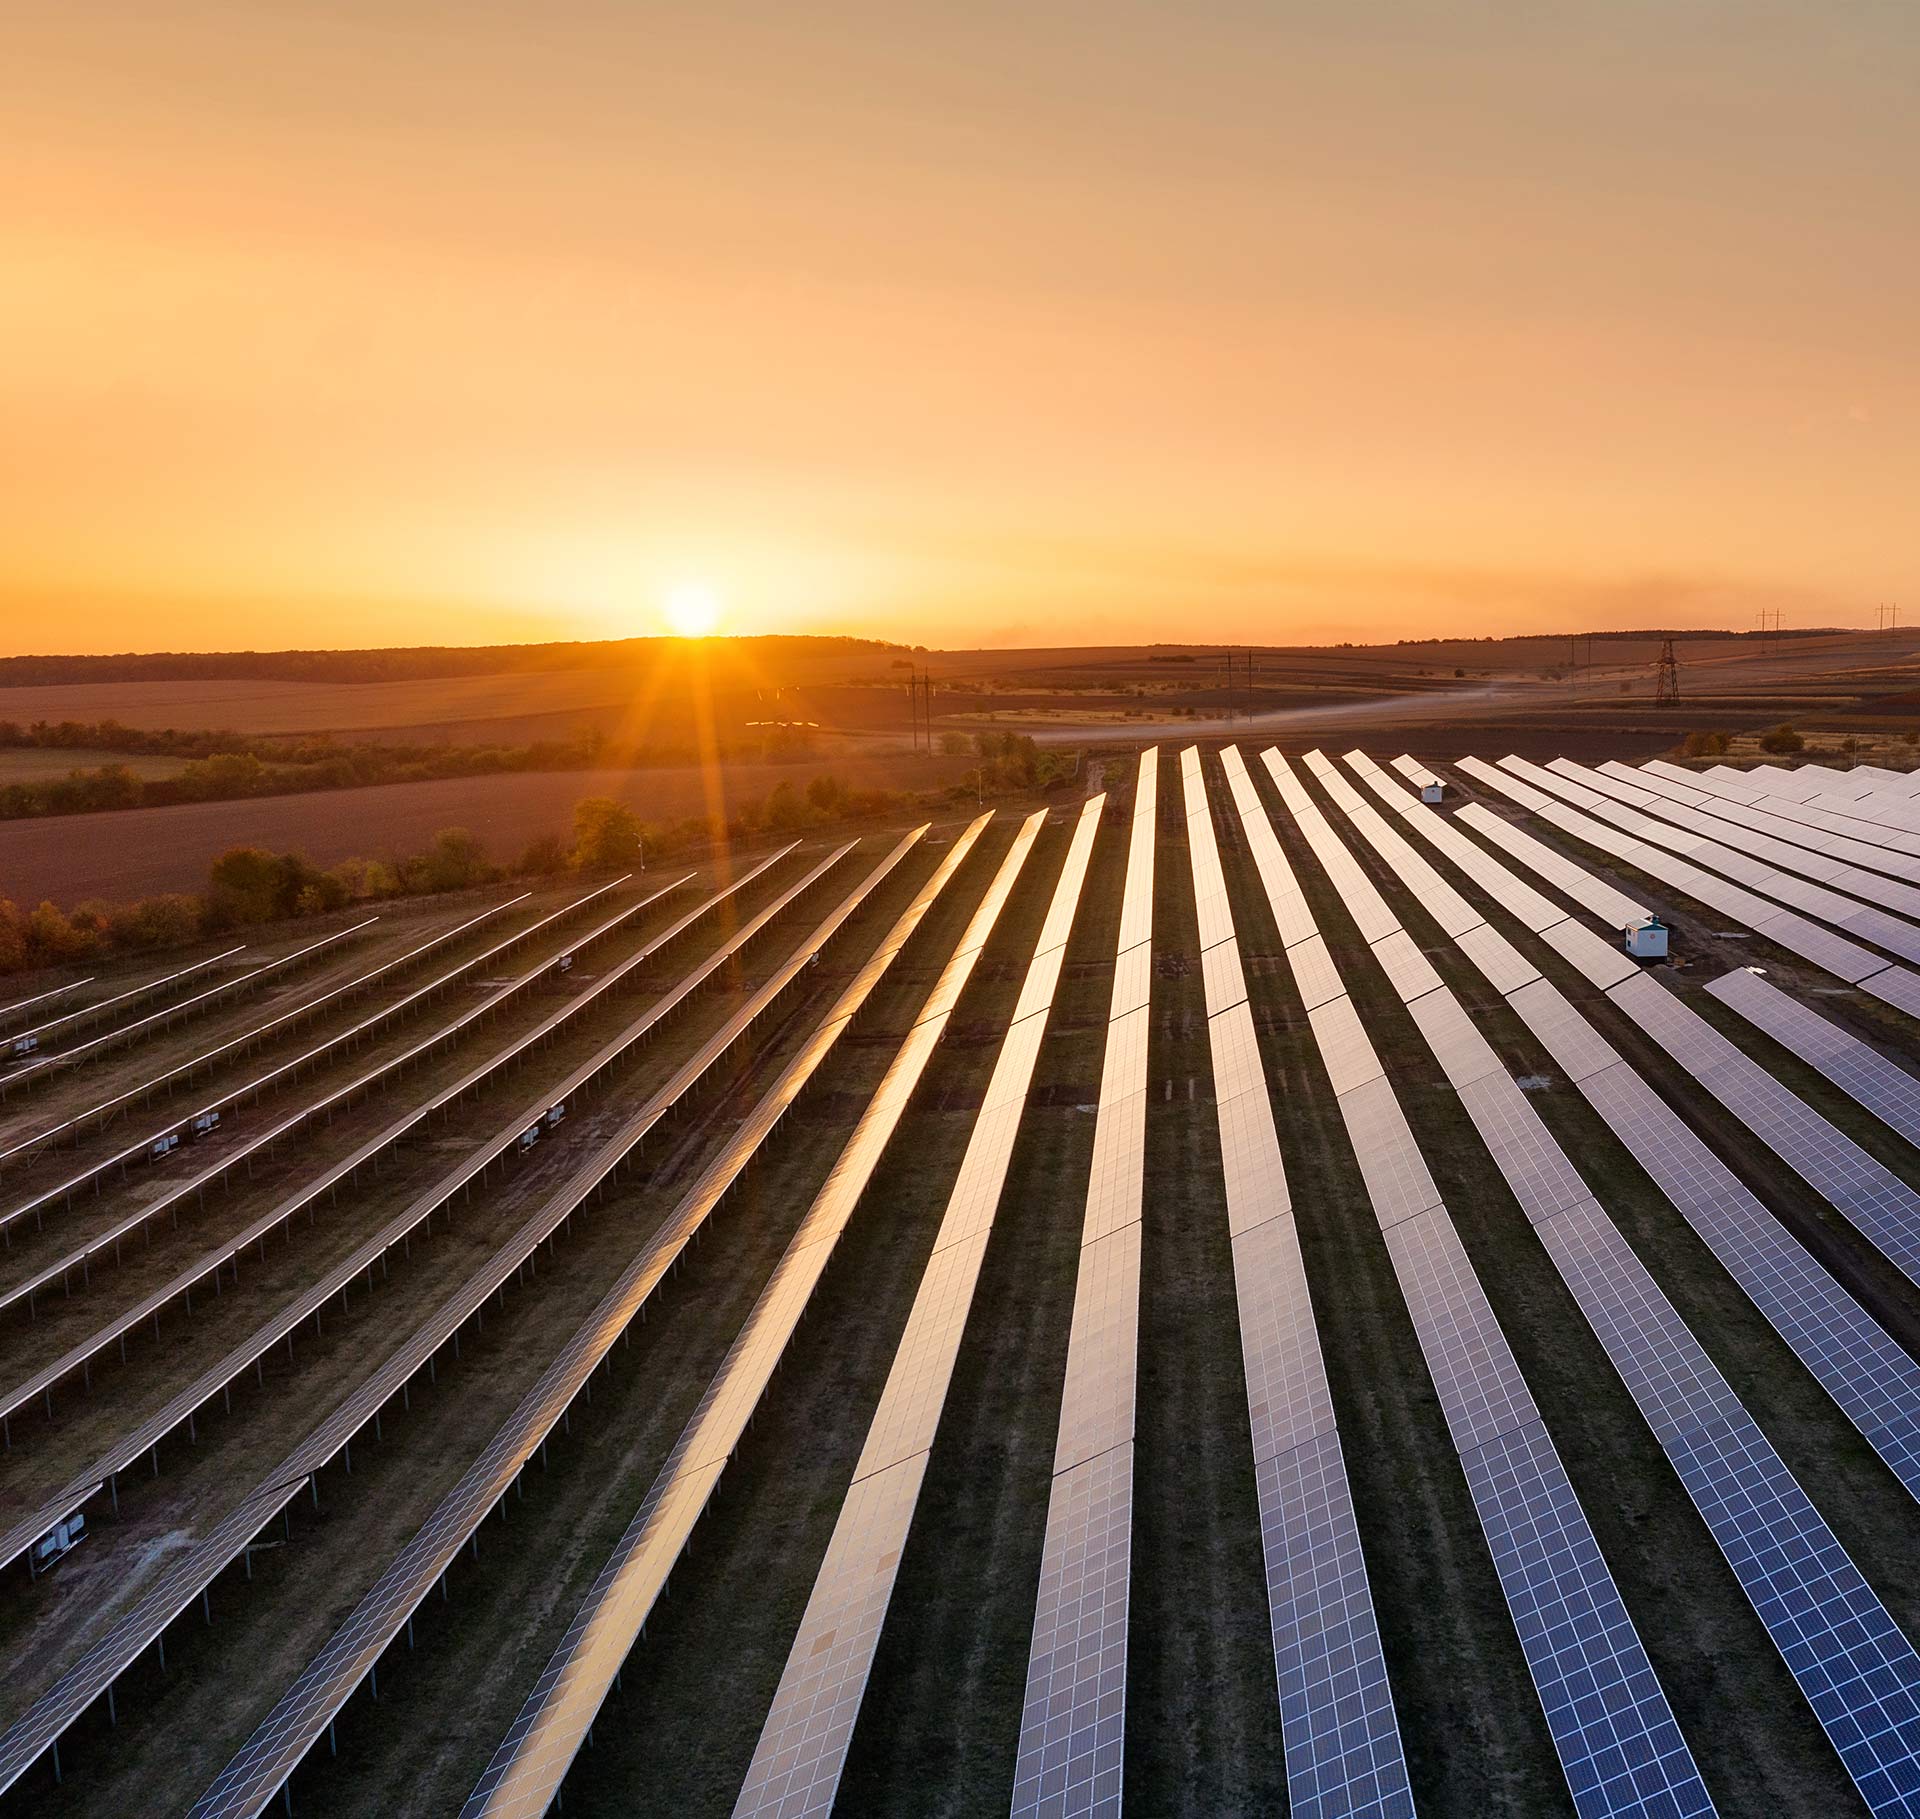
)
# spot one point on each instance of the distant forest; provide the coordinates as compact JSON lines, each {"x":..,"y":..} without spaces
{"x":419,"y":663}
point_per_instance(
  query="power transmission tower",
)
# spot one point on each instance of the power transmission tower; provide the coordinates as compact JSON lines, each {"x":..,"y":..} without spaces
{"x":1666,"y":683}
{"x":1769,"y":623}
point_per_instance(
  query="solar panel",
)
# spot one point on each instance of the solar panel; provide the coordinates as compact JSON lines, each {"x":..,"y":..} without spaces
{"x":238,"y":1155}
{"x":1617,"y":1740}
{"x":1869,"y":1376}
{"x":1822,"y":946}
{"x":1806,"y":1592}
{"x":1823,"y":852}
{"x":140,"y":1440}
{"x":1878,"y":1203}
{"x":276,"y":1747}
{"x":1343,"y":1750}
{"x":1828,"y":906}
{"x":1074,"y":1719}
{"x":802,"y":1749}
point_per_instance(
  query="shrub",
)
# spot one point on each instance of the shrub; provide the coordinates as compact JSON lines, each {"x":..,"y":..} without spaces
{"x":1782,"y":739}
{"x":605,"y":833}
{"x":543,"y":856}
{"x":53,"y":937}
{"x":1705,"y":745}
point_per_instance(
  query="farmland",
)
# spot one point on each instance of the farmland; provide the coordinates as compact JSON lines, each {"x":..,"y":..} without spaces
{"x":847,"y":708}
{"x":325,"y":1447}
{"x":73,"y":857}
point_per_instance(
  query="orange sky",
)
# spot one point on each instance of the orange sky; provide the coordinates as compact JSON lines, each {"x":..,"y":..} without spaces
{"x":419,"y":321}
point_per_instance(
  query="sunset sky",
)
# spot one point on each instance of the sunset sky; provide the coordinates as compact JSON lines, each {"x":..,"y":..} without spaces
{"x":348,"y":323}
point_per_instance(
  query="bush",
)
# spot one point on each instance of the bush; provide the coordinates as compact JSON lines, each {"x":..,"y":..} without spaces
{"x":543,"y":856}
{"x":606,"y":833}
{"x":1705,"y":745}
{"x":957,"y":745}
{"x":1782,"y":739}
{"x":455,"y":860}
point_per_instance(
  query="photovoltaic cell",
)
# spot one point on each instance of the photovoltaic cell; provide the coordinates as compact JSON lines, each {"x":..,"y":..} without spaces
{"x":1806,"y":1595}
{"x":1073,"y":1723}
{"x":802,"y":1749}
{"x":554,"y":1722}
{"x":1869,"y":1376}
{"x":1343,"y":1748}
{"x":1883,"y":1087}
{"x":1610,"y":1722}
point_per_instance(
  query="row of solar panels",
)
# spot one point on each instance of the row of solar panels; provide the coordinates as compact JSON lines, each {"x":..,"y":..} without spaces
{"x":229,"y":1253}
{"x":1833,"y":1632}
{"x":396,"y":1234}
{"x":173,"y":1077}
{"x":569,"y":1693}
{"x":148,"y":1213}
{"x":1073,"y":1711}
{"x":1611,"y":1722}
{"x":1344,"y":1753}
{"x":234,"y":985}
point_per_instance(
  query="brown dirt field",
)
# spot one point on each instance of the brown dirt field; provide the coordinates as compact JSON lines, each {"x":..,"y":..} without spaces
{"x":134,"y":852}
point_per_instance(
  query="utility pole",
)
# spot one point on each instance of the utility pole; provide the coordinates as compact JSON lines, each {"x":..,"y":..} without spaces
{"x":1769,"y":627}
{"x":1887,"y":618}
{"x":1666,"y":685}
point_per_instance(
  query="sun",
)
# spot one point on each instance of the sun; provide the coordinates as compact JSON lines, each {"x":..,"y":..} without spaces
{"x":692,"y":609}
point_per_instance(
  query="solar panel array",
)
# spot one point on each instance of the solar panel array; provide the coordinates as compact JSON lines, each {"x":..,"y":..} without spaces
{"x":1894,"y":873}
{"x":796,"y":1766}
{"x":238,"y":1045}
{"x":1797,"y":850}
{"x":228,"y":1253}
{"x":526,"y":1771}
{"x":125,"y":1032}
{"x":1881,"y":1206}
{"x":1345,"y":1759}
{"x":1611,"y":1724}
{"x":1767,"y":790}
{"x":263,"y":1764}
{"x":1823,"y":947}
{"x":20,"y":1006}
{"x":1857,"y":1670}
{"x":145,"y":989}
{"x":1884,"y":1087}
{"x":1606,"y":797}
{"x":38,"y":1728}
{"x":231,"y":1156}
{"x":1870,"y":1377}
{"x":1073,"y":1716}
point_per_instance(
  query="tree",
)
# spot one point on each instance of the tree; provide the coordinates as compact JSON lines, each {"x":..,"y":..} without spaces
{"x":786,"y":810}
{"x":827,"y":794}
{"x":455,"y":860}
{"x":53,"y":937}
{"x":606,"y":833}
{"x":1782,"y":739}
{"x":542,"y":856}
{"x":250,"y":884}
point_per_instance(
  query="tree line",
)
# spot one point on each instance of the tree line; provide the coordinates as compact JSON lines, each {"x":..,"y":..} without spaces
{"x":249,"y":885}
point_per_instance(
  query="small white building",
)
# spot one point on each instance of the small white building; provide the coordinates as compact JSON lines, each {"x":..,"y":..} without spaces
{"x":1647,"y":939}
{"x":1434,"y":793}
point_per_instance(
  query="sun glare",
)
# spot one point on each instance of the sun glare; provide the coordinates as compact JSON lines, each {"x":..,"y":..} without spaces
{"x":692,"y":609}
